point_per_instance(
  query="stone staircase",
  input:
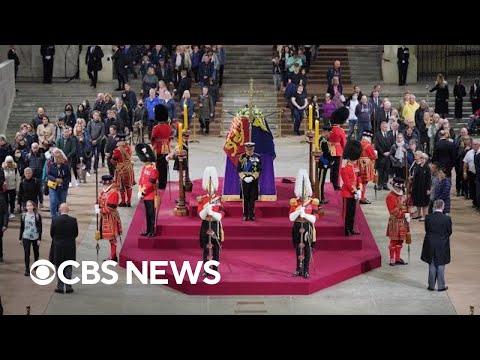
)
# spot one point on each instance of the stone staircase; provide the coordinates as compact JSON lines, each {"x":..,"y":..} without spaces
{"x":245,"y":62}
{"x":365,"y":64}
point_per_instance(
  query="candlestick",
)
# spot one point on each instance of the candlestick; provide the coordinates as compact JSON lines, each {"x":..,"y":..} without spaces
{"x":185,"y":115}
{"x":317,"y":135}
{"x":180,"y":136}
{"x":310,"y":117}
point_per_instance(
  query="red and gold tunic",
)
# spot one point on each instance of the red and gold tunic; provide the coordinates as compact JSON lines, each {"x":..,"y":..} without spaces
{"x":367,"y":162}
{"x":110,"y":224}
{"x":338,"y":140}
{"x":312,"y":207}
{"x":398,"y":227}
{"x":217,"y":227}
{"x":351,"y":181}
{"x":161,"y":135}
{"x":148,"y":181}
{"x":122,"y":159}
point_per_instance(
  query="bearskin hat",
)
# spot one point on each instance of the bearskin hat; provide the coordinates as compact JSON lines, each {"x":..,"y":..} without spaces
{"x":339,"y":116}
{"x":161,"y":113}
{"x":144,"y":152}
{"x":352,"y":150}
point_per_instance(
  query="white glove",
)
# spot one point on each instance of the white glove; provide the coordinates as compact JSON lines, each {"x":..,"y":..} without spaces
{"x":97,"y":209}
{"x":248,"y":179}
{"x":48,"y":57}
{"x":139,"y":195}
{"x":408,"y":217}
{"x":358,"y":195}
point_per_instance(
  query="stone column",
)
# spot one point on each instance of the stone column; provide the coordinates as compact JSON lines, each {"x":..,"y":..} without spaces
{"x":390,"y":67}
{"x":106,"y":74}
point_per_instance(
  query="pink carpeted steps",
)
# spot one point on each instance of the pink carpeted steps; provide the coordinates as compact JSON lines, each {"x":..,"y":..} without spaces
{"x":258,"y":257}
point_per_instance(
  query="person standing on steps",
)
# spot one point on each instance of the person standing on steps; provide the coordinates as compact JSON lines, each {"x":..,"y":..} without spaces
{"x":249,"y":169}
{"x":161,"y":137}
{"x":12,"y":55}
{"x":48,"y":53}
{"x":403,"y":54}
{"x":147,"y":186}
{"x":93,"y":60}
{"x":352,"y":185}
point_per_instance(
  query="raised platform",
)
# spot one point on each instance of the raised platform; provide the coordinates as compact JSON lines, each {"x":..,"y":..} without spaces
{"x":257,"y":257}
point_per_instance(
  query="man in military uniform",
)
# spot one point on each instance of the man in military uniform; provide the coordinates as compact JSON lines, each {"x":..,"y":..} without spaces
{"x":325,"y":161}
{"x":148,"y":183}
{"x":211,"y":212}
{"x":249,"y":168}
{"x":304,"y":211}
{"x":124,"y":175}
{"x":398,"y":222}
{"x":367,"y":164}
{"x":161,"y":136}
{"x":403,"y":54}
{"x":352,"y":187}
{"x":338,"y":140}
{"x":106,"y":207}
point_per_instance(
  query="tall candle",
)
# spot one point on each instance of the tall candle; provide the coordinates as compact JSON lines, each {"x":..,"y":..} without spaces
{"x":310,"y":117}
{"x":317,"y":135}
{"x":185,"y":115}
{"x":180,"y":136}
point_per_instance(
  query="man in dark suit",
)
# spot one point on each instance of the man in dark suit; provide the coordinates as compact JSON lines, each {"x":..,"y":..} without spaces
{"x":403,"y":54}
{"x":444,"y":153}
{"x":47,"y":52}
{"x":93,"y":59}
{"x":475,"y":95}
{"x":436,"y":245}
{"x":383,"y":142}
{"x":12,"y":55}
{"x":64,"y":231}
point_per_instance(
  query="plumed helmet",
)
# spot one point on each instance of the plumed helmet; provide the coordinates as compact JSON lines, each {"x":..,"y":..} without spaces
{"x":210,"y":173}
{"x":352,"y":150}
{"x":144,"y":152}
{"x":340,"y":115}
{"x":302,"y":178}
{"x":161,"y":113}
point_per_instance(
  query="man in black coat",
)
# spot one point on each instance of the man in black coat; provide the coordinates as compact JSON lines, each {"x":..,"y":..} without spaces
{"x":47,"y":52}
{"x":436,"y":245}
{"x":64,"y":231}
{"x":444,"y":153}
{"x":403,"y":54}
{"x":93,"y":59}
{"x":3,"y":214}
{"x":383,"y":142}
{"x":12,"y":55}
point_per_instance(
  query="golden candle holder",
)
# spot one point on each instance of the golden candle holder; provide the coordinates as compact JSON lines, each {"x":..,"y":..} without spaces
{"x":309,"y":135}
{"x":188,"y":183}
{"x":181,"y":209}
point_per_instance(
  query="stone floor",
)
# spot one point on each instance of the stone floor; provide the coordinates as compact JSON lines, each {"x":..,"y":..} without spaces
{"x":387,"y":290}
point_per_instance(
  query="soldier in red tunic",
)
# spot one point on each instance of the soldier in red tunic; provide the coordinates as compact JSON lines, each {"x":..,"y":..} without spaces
{"x":338,"y":140}
{"x":304,"y":212}
{"x":211,"y":211}
{"x":398,"y":222}
{"x":367,"y":164}
{"x":110,"y":224}
{"x":352,"y":186}
{"x":124,"y":175}
{"x":148,"y":184}
{"x":161,"y":136}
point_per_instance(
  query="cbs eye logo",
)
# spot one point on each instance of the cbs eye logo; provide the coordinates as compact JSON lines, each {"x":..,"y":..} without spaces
{"x":42,"y":272}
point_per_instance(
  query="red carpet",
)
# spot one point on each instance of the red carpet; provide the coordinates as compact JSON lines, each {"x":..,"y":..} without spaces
{"x":257,"y":257}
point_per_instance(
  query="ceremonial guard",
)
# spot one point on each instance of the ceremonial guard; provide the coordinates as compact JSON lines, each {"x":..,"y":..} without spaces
{"x":338,"y":140}
{"x":304,"y":211}
{"x":210,"y":210}
{"x":161,"y":136}
{"x":148,"y":184}
{"x":249,"y":169}
{"x":351,"y":188}
{"x":398,"y":222}
{"x":110,"y":223}
{"x":367,"y":164}
{"x":124,"y":177}
{"x":325,"y":161}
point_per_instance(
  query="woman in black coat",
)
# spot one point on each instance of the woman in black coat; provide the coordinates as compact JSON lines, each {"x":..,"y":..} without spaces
{"x":441,"y":96}
{"x":459,"y":93}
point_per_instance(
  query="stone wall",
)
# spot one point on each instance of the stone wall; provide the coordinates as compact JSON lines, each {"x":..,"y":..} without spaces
{"x":7,"y":93}
{"x":65,"y":63}
{"x":390,"y":67}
